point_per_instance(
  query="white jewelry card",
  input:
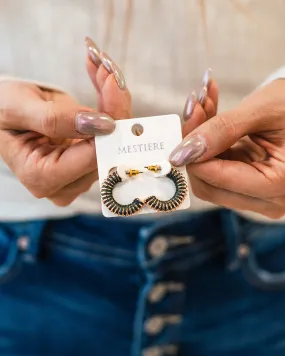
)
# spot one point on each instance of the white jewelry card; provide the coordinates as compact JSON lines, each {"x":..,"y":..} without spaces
{"x":135,"y":144}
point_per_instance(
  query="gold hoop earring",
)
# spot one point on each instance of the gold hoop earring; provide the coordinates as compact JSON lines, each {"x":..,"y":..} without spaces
{"x":154,"y":203}
{"x":109,"y":201}
{"x":180,"y":193}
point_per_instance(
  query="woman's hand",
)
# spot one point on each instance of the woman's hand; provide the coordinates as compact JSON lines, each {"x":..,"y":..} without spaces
{"x":46,"y":137}
{"x":237,"y":159}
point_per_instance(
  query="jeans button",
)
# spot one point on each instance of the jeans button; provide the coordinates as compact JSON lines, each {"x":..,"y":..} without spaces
{"x":161,"y":289}
{"x":154,"y":351}
{"x":157,"y":293}
{"x":23,"y":243}
{"x":154,"y":325}
{"x":243,"y":251}
{"x":161,"y":350}
{"x":158,"y":247}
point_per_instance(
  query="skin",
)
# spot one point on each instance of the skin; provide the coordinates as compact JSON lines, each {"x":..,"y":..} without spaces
{"x":243,"y":167}
{"x":38,"y":140}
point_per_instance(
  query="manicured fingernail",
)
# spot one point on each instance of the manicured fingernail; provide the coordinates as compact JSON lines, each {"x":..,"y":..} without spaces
{"x":119,"y":76}
{"x":189,"y":106}
{"x":93,"y":123}
{"x":207,"y":78}
{"x":190,"y":149}
{"x":93,"y":51}
{"x":112,"y":67}
{"x":203,"y":95}
{"x":106,"y":61}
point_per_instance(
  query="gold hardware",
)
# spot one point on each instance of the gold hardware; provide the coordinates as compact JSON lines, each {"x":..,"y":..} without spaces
{"x":155,"y":168}
{"x":133,"y":172}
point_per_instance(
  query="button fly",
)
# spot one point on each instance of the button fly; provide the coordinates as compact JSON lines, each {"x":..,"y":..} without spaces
{"x":155,"y":325}
{"x":161,"y":350}
{"x":154,"y":351}
{"x":159,"y":291}
{"x":158,"y":247}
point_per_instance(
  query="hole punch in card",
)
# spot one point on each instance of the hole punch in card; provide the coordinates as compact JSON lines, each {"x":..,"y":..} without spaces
{"x":135,"y":145}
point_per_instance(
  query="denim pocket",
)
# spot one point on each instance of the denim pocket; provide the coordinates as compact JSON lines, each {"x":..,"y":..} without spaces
{"x":262,"y":256}
{"x":258,"y":249}
{"x":261,"y":253}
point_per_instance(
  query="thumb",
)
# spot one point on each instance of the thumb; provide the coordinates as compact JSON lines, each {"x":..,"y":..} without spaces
{"x":63,"y":119}
{"x":57,"y":119}
{"x":219,"y":133}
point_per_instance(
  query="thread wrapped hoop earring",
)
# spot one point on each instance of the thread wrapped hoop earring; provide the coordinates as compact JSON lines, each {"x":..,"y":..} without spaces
{"x":178,"y":197}
{"x":109,"y":201}
{"x":153,"y":202}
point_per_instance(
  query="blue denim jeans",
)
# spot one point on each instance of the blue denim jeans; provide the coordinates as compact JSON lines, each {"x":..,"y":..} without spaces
{"x":194,"y":284}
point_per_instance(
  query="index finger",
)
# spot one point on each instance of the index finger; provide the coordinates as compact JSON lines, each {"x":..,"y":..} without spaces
{"x":22,"y":108}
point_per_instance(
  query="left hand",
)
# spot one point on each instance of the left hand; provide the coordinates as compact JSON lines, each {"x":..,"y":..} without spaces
{"x":47,"y":138}
{"x":237,"y":158}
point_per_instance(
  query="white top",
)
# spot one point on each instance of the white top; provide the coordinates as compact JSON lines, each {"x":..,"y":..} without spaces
{"x":163,"y":58}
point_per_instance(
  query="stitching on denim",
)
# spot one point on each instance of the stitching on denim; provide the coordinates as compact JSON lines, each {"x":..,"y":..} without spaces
{"x":71,"y":252}
{"x":89,"y":245}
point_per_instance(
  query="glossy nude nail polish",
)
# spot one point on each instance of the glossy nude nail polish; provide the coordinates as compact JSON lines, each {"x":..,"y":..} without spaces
{"x":203,"y":95}
{"x":207,"y":78}
{"x":190,"y":149}
{"x":112,"y":67}
{"x":93,"y":51}
{"x":189,"y":106}
{"x":93,"y":123}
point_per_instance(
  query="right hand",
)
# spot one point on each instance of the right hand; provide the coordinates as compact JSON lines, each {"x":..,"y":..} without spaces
{"x":44,"y":138}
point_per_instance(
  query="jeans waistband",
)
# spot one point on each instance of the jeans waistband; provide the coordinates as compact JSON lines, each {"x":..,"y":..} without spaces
{"x":153,"y":244}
